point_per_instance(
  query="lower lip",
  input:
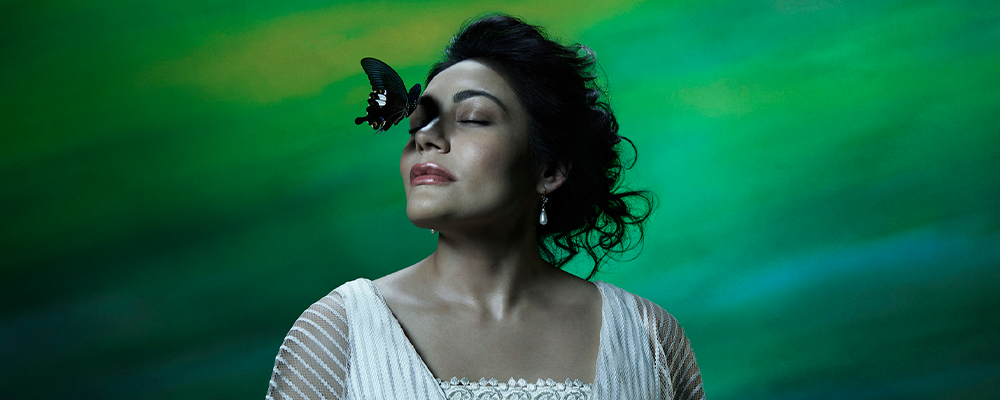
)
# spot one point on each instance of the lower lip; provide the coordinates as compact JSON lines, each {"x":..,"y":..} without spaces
{"x":429,"y":180}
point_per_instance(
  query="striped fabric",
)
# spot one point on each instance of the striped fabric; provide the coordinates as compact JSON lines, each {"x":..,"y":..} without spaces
{"x":348,"y":345}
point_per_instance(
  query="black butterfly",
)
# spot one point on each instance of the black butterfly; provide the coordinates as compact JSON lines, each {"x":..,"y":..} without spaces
{"x":389,"y":102}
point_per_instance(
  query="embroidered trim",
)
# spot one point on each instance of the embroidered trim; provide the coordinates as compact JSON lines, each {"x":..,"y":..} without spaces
{"x":512,"y":384}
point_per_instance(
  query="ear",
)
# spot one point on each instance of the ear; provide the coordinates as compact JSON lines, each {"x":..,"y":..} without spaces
{"x":552,"y":177}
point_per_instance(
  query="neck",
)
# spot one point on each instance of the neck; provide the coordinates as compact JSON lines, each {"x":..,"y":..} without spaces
{"x":489,"y":272}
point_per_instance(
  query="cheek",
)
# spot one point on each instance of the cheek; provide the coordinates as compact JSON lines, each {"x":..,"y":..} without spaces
{"x":501,"y":164}
{"x":404,"y":169}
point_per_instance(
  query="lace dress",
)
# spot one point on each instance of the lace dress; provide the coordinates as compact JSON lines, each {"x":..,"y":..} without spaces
{"x":348,"y":345}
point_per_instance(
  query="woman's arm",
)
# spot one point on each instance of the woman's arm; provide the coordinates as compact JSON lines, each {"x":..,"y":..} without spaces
{"x":312,"y":363}
{"x":680,"y":378}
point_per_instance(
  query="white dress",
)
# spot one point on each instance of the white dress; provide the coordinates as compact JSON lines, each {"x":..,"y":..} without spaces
{"x":348,"y":345}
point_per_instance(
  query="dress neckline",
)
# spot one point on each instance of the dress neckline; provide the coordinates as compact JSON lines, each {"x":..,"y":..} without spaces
{"x":413,"y":350}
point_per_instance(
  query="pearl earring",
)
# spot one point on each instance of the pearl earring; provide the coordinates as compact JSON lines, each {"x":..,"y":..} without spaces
{"x":433,"y":231}
{"x":543,"y":218}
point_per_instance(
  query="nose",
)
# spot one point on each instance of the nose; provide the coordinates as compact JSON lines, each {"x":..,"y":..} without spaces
{"x":431,"y":137}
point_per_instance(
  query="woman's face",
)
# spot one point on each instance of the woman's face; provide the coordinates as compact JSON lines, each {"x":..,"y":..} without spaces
{"x":467,"y":162}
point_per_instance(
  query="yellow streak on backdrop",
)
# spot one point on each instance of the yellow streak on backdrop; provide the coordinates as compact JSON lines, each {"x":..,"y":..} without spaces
{"x":298,"y":55}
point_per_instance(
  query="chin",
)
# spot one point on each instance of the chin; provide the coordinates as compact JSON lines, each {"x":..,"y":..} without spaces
{"x":425,"y":215}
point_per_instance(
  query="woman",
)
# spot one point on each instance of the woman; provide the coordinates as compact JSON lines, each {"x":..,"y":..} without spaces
{"x":513,"y":159}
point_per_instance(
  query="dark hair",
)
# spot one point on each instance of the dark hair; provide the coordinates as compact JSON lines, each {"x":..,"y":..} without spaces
{"x":570,"y":127}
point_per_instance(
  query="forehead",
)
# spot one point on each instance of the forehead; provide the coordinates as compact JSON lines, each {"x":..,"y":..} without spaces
{"x":470,"y":74}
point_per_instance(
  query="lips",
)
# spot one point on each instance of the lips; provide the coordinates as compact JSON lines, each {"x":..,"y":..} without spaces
{"x":429,"y":174}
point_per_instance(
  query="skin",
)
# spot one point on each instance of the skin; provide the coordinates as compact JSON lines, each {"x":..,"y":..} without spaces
{"x":485,"y":304}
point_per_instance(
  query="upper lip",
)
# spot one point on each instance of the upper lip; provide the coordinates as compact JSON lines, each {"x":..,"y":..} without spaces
{"x":429,"y":168}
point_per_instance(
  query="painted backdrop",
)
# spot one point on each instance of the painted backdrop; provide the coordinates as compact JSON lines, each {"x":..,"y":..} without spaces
{"x":180,"y":179}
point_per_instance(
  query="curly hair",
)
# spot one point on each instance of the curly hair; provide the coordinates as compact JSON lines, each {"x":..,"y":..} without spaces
{"x":570,"y":127}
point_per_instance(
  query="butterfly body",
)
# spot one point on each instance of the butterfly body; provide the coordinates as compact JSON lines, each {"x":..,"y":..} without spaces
{"x":389,"y":101}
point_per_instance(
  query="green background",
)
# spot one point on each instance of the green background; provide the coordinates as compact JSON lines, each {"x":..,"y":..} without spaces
{"x":180,"y":179}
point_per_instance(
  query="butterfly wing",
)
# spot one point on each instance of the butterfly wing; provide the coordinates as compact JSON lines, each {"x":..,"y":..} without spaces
{"x":411,"y":99}
{"x":389,"y":101}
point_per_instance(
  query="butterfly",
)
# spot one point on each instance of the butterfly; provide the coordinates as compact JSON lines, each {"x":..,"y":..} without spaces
{"x":389,"y":102}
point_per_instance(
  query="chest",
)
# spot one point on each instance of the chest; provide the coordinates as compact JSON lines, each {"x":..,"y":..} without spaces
{"x":556,"y":346}
{"x":384,"y":363}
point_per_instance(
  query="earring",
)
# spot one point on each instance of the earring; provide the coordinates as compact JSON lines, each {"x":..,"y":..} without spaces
{"x":543,"y":218}
{"x":433,"y":231}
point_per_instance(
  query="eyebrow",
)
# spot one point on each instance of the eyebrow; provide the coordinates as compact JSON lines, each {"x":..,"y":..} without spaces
{"x":469,"y":93}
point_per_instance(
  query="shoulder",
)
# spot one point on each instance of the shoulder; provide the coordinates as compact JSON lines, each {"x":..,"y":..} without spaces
{"x":671,"y":346}
{"x":662,"y":325}
{"x":313,"y":359}
{"x":640,"y":304}
{"x":327,"y":318}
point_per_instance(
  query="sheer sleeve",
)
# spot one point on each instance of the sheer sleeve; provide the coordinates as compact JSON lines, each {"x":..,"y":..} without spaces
{"x":680,"y":378}
{"x":313,"y":361}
